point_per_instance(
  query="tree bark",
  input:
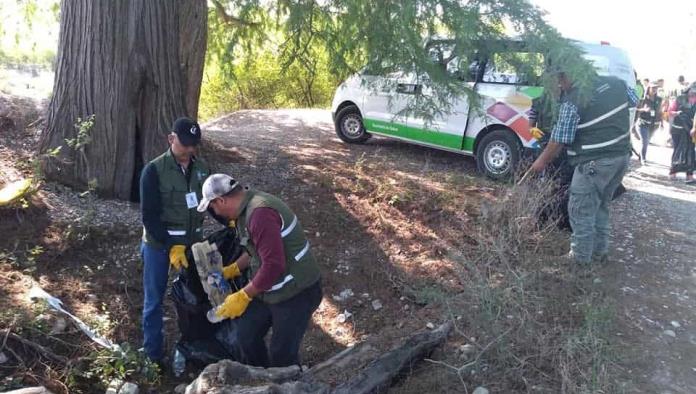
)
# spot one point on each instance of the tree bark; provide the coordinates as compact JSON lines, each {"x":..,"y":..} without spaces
{"x":136,"y":65}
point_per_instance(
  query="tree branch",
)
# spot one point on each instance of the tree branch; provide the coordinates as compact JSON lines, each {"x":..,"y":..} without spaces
{"x":230,"y":19}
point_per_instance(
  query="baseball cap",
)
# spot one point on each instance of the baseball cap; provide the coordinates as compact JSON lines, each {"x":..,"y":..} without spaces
{"x":217,"y":185}
{"x":188,"y":131}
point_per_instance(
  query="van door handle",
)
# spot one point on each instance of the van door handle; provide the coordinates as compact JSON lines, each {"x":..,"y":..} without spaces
{"x":408,"y":88}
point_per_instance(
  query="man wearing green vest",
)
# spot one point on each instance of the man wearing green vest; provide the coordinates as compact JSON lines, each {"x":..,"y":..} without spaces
{"x":285,"y":286}
{"x":598,"y":144}
{"x":170,"y":189}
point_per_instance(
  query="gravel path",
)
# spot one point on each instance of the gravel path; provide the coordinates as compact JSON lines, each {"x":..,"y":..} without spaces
{"x":654,"y":282}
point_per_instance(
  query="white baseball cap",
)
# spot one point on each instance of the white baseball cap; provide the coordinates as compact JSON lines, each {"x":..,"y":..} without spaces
{"x":217,"y":185}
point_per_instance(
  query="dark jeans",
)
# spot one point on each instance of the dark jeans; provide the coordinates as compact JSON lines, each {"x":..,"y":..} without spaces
{"x":289,"y":320}
{"x":644,"y":130}
{"x":155,"y":271}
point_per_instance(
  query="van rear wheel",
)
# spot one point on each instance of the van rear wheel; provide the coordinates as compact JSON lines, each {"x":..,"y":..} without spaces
{"x":498,"y":154}
{"x":349,"y":125}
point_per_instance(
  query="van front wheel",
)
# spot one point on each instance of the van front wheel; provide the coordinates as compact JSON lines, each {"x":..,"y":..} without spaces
{"x":349,"y":125}
{"x":498,"y":154}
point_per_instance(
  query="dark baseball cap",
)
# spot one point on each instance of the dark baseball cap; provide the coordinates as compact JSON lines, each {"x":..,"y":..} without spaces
{"x":188,"y":131}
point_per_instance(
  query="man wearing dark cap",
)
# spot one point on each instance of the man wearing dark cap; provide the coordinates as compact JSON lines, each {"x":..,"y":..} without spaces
{"x":170,"y":191}
{"x":285,"y":286}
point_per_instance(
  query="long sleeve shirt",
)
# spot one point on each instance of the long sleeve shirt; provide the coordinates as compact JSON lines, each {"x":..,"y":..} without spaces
{"x":264,"y":230}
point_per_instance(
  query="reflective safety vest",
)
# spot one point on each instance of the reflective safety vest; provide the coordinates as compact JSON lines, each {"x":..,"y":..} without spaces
{"x":301,"y":268}
{"x":184,"y":224}
{"x":604,"y":127}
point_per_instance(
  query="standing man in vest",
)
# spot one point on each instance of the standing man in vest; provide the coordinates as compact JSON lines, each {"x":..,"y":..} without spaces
{"x":170,"y":189}
{"x":285,"y":286}
{"x":599,"y":147}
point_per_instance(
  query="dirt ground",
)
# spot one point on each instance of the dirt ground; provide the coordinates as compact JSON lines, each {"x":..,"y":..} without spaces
{"x":653,"y":278}
{"x":385,"y":220}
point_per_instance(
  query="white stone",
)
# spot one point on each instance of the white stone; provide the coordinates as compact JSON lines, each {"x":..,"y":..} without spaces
{"x":430,"y":325}
{"x":114,"y":386}
{"x":129,"y":388}
{"x":480,"y":390}
{"x":467,"y":348}
{"x":675,"y":324}
{"x":376,"y":305}
{"x":670,"y":333}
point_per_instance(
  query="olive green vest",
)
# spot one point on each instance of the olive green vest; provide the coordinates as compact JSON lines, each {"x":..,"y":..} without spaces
{"x":603,"y":130}
{"x":185,"y":225}
{"x":301,"y":269}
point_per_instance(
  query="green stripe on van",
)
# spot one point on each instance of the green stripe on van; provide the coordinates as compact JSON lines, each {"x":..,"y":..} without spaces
{"x":432,"y":137}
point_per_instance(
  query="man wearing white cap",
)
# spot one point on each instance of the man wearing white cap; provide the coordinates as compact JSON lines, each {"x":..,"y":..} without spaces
{"x":285,"y":286}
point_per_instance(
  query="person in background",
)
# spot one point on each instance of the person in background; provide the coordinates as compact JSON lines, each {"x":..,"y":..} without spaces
{"x":649,"y":120}
{"x":683,"y":129}
{"x":683,"y":85}
{"x":640,"y":88}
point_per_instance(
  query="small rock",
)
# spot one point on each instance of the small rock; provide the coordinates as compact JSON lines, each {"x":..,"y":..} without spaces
{"x":675,"y":324}
{"x":114,"y":386}
{"x":670,"y":333}
{"x":365,"y":295}
{"x":480,"y":390}
{"x":129,"y":388}
{"x":467,"y":349}
{"x":430,"y":326}
{"x":376,"y":305}
{"x":402,"y":298}
{"x":343,"y":316}
{"x":318,"y":234}
{"x":597,"y":281}
{"x":3,"y":358}
{"x":406,"y":307}
{"x":343,"y":295}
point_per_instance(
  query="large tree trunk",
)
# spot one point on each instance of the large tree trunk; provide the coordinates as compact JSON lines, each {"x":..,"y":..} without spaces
{"x":136,"y":65}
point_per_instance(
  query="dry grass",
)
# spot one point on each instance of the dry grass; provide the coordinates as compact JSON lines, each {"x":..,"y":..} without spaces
{"x":535,"y":323}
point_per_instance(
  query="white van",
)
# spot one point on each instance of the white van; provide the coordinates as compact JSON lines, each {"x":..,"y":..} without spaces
{"x":496,"y":134}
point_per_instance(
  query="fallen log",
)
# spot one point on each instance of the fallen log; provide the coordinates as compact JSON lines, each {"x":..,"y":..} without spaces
{"x":356,"y":368}
{"x":379,"y":374}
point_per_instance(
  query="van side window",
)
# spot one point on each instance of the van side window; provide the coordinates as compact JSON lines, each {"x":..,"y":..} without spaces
{"x":467,"y":69}
{"x":513,"y":68}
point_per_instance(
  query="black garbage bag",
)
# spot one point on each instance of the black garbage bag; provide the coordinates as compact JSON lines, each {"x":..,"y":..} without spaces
{"x":202,"y":342}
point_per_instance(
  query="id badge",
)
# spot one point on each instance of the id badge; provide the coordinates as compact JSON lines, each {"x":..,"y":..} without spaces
{"x":652,"y":113}
{"x":191,"y":200}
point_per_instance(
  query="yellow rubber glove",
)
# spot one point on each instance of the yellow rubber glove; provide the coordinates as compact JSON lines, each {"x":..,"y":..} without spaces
{"x":177,"y":257}
{"x":235,"y":304}
{"x":231,"y":271}
{"x":536,"y":132}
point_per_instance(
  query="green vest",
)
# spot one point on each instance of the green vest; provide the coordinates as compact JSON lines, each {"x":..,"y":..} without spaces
{"x":604,"y":127}
{"x":301,"y":269}
{"x":184,"y":224}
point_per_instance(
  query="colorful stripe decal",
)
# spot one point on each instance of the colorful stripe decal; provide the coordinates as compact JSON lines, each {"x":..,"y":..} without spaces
{"x":431,"y":137}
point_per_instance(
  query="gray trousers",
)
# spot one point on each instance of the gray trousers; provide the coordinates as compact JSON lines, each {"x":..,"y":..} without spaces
{"x":591,"y":192}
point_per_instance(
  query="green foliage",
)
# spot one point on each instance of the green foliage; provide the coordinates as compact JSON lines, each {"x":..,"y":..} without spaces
{"x":245,"y":68}
{"x":30,"y":35}
{"x":83,"y":137}
{"x":128,"y":364}
{"x":282,"y":53}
